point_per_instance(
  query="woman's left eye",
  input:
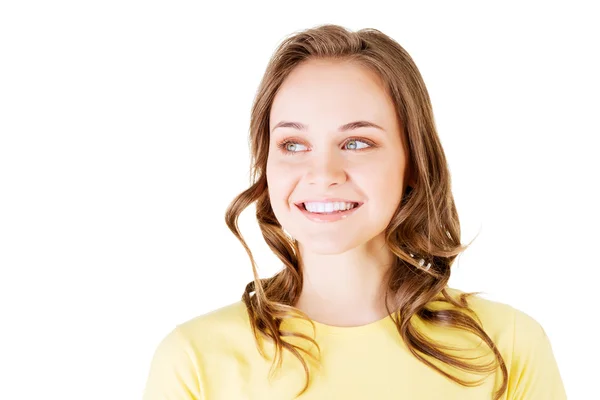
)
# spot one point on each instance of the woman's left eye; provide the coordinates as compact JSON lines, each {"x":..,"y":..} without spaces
{"x":355,"y":142}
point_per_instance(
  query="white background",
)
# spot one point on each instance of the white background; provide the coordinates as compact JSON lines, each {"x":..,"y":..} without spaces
{"x":124,"y":137}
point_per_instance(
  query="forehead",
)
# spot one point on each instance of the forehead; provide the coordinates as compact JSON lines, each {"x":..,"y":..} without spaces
{"x":321,"y":91}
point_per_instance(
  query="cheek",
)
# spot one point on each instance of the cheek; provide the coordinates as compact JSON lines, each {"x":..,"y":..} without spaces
{"x":280,"y":183}
{"x":382,"y":183}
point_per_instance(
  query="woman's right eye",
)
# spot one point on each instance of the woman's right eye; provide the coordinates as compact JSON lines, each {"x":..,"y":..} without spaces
{"x":289,"y":147}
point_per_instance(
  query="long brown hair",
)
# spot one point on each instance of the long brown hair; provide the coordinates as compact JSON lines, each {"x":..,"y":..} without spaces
{"x":425,"y":225}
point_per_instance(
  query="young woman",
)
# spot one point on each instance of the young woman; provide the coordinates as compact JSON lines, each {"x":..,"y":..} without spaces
{"x":353,"y":194}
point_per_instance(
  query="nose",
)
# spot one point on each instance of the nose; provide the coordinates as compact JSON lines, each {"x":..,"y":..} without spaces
{"x":326,"y":168}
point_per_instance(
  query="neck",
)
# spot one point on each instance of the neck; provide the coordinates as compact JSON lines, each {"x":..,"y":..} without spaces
{"x":346,"y":289}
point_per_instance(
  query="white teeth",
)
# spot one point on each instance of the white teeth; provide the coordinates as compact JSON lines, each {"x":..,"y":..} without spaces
{"x":317,"y":207}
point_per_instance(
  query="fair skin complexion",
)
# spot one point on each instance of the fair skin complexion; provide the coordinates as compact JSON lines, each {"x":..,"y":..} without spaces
{"x":343,"y":262}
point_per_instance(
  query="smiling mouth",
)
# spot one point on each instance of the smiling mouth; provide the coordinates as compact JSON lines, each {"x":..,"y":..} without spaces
{"x":302,"y":207}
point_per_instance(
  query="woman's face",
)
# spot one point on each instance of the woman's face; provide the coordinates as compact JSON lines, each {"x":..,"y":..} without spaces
{"x":319,"y":161}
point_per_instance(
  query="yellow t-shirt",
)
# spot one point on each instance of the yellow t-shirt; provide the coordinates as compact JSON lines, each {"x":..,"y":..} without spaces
{"x":214,"y":357}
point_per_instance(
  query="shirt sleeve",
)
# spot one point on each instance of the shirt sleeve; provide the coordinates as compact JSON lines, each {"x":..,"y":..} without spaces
{"x":173,"y":372}
{"x":534,"y":373}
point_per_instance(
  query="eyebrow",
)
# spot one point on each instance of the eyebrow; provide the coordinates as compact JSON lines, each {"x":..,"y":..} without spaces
{"x":346,"y":127}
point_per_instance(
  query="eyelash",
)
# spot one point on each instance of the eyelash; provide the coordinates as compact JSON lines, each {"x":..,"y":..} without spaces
{"x":282,"y":145}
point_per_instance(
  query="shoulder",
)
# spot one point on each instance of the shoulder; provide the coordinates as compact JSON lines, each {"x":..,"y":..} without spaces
{"x":224,"y":322}
{"x":176,"y":369}
{"x":500,"y":320}
{"x":511,"y":329}
{"x":221,"y":327}
{"x":524,"y":345}
{"x":220,"y":324}
{"x":221,"y":318}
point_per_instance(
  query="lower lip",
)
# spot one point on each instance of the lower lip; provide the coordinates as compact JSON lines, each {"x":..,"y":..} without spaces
{"x":328,"y":217}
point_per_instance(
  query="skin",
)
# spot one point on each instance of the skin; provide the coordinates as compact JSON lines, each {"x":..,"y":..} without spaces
{"x":343,"y":261}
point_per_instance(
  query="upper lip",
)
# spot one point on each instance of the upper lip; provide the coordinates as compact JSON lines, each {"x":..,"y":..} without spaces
{"x":327,"y":200}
